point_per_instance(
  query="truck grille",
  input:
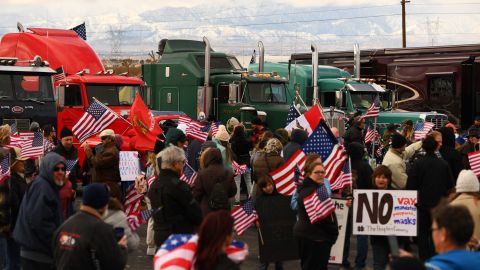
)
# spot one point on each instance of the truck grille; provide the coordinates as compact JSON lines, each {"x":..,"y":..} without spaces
{"x":438,"y":119}
{"x":23,"y":125}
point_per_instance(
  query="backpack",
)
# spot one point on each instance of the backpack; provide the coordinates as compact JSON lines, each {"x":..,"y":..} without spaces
{"x":218,"y":197}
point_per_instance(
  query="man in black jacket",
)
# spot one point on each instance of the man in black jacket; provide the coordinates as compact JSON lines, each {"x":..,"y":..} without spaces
{"x":84,"y":241}
{"x":66,"y":149}
{"x":432,"y":178}
{"x":355,"y":132}
{"x":175,"y":209}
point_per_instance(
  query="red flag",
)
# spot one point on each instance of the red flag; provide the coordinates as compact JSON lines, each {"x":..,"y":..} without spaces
{"x":144,"y":124}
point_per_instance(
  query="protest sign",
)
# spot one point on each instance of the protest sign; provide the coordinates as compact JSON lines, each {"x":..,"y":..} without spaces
{"x":385,"y":212}
{"x":341,"y":211}
{"x":129,"y":165}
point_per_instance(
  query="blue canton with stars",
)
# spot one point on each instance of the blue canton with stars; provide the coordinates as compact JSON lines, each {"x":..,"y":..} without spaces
{"x":5,"y":165}
{"x":14,"y":129}
{"x":175,"y":240}
{"x":81,"y":31}
{"x":419,"y":126}
{"x":321,"y":141}
{"x":292,"y":114}
{"x":96,"y":110}
{"x":37,"y":139}
{"x":248,"y":207}
{"x":322,"y":192}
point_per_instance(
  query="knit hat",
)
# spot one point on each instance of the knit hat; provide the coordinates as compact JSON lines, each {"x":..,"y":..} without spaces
{"x":222,"y":135}
{"x":398,"y":141}
{"x":96,"y":195}
{"x":273,"y":146}
{"x":233,"y":122}
{"x":66,"y":132}
{"x":467,"y":181}
{"x":107,"y":132}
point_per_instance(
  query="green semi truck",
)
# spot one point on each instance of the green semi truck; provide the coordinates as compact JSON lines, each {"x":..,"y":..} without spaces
{"x":336,"y":88}
{"x":190,"y":77}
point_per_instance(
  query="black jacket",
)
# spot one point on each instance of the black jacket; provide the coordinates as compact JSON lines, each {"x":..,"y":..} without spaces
{"x":361,"y":170}
{"x":353,"y":134}
{"x":449,"y":153}
{"x":297,"y":139}
{"x":14,"y":189}
{"x":84,"y":236}
{"x":71,"y":154}
{"x":323,"y":230}
{"x":40,"y":213}
{"x":431,"y":177}
{"x":177,"y":211}
{"x":241,"y":147}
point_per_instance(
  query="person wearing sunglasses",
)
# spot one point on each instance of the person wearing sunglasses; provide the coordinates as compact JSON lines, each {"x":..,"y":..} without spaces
{"x":41,"y":214}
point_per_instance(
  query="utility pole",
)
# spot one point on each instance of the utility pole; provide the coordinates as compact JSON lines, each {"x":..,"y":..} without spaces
{"x":404,"y":34}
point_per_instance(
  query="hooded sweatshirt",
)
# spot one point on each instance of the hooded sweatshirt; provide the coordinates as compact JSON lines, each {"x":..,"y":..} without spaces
{"x":448,"y":152}
{"x":40,"y":213}
{"x":455,"y":260}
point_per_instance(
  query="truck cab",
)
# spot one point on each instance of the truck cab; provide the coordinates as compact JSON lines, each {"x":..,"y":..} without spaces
{"x":26,"y":93}
{"x":192,"y":78}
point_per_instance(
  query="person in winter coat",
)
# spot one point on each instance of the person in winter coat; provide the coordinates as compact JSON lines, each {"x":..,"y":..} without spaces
{"x":382,"y":180}
{"x":115,"y":216}
{"x":471,"y":145}
{"x":40,"y":215}
{"x":317,"y":239}
{"x":448,"y":152}
{"x":395,"y":159}
{"x":176,"y":211}
{"x":84,"y":241}
{"x":266,"y":161}
{"x":66,"y":149}
{"x":241,"y":147}
{"x":467,"y":193}
{"x":11,"y":194}
{"x":355,"y":132}
{"x":297,"y":139}
{"x":362,"y":179}
{"x":221,"y":140}
{"x":432,"y":178}
{"x":271,"y":248}
{"x":176,"y":137}
{"x":212,"y":173}
{"x":214,"y":236}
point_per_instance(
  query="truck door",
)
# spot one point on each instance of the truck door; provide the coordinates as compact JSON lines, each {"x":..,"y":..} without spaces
{"x":168,"y":99}
{"x":73,"y":107}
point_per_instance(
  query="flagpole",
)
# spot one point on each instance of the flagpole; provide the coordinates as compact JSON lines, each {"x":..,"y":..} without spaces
{"x":373,"y":142}
{"x":260,"y":234}
{"x":118,"y":116}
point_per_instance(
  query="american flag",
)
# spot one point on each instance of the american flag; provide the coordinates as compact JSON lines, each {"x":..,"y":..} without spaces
{"x":60,"y":74}
{"x":95,"y":119}
{"x":214,"y":129}
{"x":323,"y":142}
{"x":238,"y":169}
{"x":373,"y":111}
{"x":33,"y":148}
{"x":4,"y":168}
{"x":14,"y":129}
{"x":371,"y":135}
{"x":19,"y":139}
{"x":380,"y":149}
{"x":146,"y":214}
{"x":318,"y":205}
{"x":184,"y":119}
{"x":178,"y":251}
{"x":132,"y":207}
{"x":69,"y":165}
{"x":474,"y":159}
{"x":189,"y":175}
{"x":422,"y":129}
{"x":293,"y":114}
{"x":194,"y":131}
{"x":243,"y":217}
{"x":151,"y":179}
{"x":284,"y":176}
{"x":81,"y":30}
{"x":344,"y":179}
{"x":308,"y":121}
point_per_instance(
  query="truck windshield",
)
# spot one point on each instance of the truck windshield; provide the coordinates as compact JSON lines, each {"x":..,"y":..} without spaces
{"x":267,"y":92}
{"x":113,"y":95}
{"x":23,"y":86}
{"x":219,"y":62}
{"x":365,"y":99}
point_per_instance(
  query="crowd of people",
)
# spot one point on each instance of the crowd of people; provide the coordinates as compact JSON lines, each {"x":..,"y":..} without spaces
{"x":41,"y":227}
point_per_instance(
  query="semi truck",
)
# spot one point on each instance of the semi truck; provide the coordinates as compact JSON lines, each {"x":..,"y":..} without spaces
{"x":26,"y":92}
{"x":434,"y":78}
{"x":190,"y":77}
{"x":84,"y":77}
{"x":338,"y":89}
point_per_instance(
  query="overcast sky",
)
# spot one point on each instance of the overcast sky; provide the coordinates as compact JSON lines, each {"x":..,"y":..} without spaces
{"x":285,"y":26}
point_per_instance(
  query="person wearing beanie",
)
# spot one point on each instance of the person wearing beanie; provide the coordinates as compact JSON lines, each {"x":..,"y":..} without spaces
{"x":66,"y":149}
{"x":258,"y":129}
{"x":395,"y":159}
{"x":430,"y":176}
{"x":222,"y":141}
{"x":40,"y":214}
{"x":467,"y":193}
{"x":85,"y":241}
{"x":176,"y":137}
{"x":232,"y":123}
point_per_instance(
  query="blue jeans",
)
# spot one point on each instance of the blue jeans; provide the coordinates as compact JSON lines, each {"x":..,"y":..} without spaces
{"x":362,"y":251}
{"x":10,"y":252}
{"x":278,"y":266}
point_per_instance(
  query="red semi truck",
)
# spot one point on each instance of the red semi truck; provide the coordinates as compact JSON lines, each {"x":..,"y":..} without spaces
{"x":85,"y":75}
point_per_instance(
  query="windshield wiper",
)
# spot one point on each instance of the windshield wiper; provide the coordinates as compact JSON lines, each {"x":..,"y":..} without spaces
{"x":33,"y":100}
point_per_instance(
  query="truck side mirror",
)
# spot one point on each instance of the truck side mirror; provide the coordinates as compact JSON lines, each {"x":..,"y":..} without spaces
{"x":233,"y":90}
{"x":60,"y":96}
